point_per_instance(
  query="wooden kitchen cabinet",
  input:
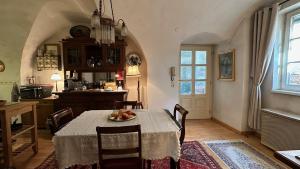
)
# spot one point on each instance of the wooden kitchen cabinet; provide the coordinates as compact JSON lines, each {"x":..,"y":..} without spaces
{"x":81,"y":101}
{"x":85,"y":55}
{"x":44,"y":107}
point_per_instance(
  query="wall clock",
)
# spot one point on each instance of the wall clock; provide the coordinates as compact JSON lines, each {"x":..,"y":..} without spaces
{"x":2,"y":66}
{"x":134,"y":59}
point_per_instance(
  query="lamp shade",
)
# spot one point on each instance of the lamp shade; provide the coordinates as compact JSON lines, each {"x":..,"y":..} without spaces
{"x":119,"y":75}
{"x":55,"y":77}
{"x":133,"y":71}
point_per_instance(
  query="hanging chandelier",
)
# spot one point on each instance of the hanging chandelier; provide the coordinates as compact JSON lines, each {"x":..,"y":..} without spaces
{"x":104,"y":29}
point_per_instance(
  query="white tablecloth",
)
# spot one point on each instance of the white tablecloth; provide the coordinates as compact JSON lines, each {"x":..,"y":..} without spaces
{"x":76,"y":143}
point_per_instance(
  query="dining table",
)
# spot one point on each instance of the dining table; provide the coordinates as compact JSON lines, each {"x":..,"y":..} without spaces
{"x":77,"y":144}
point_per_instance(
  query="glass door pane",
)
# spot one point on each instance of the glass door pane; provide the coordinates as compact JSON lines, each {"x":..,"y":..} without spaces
{"x":201,"y":57}
{"x":200,"y":72}
{"x":186,"y":57}
{"x":186,"y":88}
{"x":200,"y":87}
{"x":186,"y":73}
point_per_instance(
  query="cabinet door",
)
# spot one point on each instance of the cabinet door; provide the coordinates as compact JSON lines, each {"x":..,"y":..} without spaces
{"x":43,"y":111}
{"x":72,"y":57}
{"x":115,"y":57}
{"x":94,"y":56}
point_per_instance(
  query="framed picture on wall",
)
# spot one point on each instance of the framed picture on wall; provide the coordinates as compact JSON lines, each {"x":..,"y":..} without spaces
{"x":226,"y":65}
{"x":52,"y":49}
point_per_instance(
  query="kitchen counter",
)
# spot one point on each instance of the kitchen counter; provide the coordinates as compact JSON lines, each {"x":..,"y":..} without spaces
{"x":83,"y":100}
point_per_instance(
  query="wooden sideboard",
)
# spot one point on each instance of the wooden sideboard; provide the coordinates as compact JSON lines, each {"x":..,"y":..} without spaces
{"x":6,"y":113}
{"x":44,"y":108}
{"x":81,"y":101}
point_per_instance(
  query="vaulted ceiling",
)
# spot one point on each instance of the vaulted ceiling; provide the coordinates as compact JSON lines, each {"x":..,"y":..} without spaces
{"x":158,"y":26}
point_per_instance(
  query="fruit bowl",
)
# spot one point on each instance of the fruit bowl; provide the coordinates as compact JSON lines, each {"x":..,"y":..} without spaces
{"x":122,"y":115}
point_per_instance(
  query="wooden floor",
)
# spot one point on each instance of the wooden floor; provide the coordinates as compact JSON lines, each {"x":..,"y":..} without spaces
{"x":195,"y":130}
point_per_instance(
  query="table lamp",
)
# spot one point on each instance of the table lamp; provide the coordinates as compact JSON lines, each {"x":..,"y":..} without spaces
{"x":119,"y":77}
{"x":56,"y":77}
{"x":133,"y":71}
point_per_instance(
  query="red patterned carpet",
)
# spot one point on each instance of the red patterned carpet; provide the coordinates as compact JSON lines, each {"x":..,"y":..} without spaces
{"x":193,"y":156}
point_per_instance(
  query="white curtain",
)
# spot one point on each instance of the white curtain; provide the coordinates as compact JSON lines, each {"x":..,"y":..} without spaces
{"x":264,"y":37}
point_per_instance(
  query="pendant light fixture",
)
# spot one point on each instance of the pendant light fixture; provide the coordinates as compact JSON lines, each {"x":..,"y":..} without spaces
{"x":103,"y":29}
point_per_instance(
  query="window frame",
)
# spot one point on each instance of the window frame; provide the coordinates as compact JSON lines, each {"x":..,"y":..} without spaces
{"x":281,"y":58}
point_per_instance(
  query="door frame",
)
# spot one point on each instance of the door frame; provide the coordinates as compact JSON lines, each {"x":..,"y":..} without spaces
{"x":209,"y":85}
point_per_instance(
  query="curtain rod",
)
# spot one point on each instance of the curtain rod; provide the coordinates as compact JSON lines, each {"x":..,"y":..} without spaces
{"x":283,"y":2}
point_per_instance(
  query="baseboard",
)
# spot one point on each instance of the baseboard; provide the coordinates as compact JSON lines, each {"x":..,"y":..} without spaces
{"x":245,"y":133}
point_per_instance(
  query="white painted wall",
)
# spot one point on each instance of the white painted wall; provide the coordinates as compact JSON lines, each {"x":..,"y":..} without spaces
{"x":230,"y":98}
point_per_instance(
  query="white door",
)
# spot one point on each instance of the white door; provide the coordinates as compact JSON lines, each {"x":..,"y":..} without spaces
{"x":195,"y":81}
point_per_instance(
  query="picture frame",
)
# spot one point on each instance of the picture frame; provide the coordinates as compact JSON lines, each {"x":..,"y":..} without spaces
{"x":50,"y":58}
{"x":52,"y":49}
{"x":226,"y":65}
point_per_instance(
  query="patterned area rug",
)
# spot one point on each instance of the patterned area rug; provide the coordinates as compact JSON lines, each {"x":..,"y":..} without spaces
{"x":240,"y":155}
{"x":193,"y":156}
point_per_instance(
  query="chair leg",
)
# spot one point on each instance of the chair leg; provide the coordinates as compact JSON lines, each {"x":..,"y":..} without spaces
{"x":148,"y":164}
{"x":172,"y":163}
{"x":178,"y":164}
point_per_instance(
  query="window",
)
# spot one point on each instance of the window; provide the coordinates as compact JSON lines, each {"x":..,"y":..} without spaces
{"x":286,"y":75}
{"x":193,"y":72}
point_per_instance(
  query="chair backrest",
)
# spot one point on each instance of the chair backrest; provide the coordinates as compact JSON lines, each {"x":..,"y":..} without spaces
{"x":118,"y":130}
{"x":183,"y":113}
{"x":125,"y":104}
{"x":59,"y":119}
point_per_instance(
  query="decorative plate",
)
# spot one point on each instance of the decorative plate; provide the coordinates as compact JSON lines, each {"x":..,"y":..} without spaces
{"x":134,"y":59}
{"x":2,"y":66}
{"x":80,"y":31}
{"x":2,"y":102}
{"x":120,"y":120}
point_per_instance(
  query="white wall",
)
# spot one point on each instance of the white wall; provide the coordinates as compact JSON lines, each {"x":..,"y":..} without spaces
{"x":230,"y":98}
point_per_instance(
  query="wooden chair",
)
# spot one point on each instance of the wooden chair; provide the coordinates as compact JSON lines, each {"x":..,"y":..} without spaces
{"x":117,"y":163}
{"x":181,"y":121}
{"x":59,"y":119}
{"x":125,"y":104}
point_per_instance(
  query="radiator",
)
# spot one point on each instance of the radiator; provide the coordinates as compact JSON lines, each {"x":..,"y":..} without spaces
{"x":280,"y":130}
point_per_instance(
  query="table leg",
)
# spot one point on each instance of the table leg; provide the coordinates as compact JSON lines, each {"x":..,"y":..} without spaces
{"x":173,"y":163}
{"x":34,"y":137}
{"x":6,"y":140}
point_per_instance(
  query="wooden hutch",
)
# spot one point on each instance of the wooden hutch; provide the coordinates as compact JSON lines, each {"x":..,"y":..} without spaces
{"x":83,"y":55}
{"x":77,"y":52}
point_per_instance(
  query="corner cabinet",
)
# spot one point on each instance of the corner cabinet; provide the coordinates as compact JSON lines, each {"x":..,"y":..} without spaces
{"x":83,"y":54}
